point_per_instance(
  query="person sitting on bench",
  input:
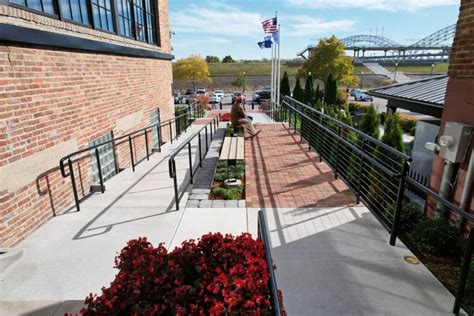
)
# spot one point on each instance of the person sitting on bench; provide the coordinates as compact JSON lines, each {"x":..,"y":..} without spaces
{"x":238,"y":117}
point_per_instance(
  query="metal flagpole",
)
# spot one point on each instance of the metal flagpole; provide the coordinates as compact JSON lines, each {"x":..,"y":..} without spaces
{"x":278,"y":68}
{"x":271,"y":84}
{"x":274,"y":65}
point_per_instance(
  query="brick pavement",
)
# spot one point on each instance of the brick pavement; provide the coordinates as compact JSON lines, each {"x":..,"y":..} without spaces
{"x":282,"y":172}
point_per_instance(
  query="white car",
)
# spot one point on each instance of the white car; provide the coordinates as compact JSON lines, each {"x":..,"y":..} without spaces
{"x":201,"y":92}
{"x":216,"y":97}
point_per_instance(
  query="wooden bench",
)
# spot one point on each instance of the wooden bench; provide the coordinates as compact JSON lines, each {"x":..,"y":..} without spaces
{"x":232,"y":149}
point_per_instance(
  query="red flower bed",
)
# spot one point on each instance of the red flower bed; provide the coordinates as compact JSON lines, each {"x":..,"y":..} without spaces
{"x":215,"y":275}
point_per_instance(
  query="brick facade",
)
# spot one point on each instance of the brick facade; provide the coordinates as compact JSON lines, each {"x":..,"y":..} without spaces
{"x":459,"y":101}
{"x":55,"y":101}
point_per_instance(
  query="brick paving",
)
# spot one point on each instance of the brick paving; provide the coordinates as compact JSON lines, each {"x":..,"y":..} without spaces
{"x":282,"y":172}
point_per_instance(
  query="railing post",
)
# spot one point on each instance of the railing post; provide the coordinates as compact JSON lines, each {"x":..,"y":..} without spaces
{"x":464,"y":273}
{"x":337,"y":150}
{"x":207,"y":145}
{"x":361,"y":169}
{"x":171,"y":132}
{"x":158,"y":133}
{"x":146,"y":146}
{"x":73,"y":182}
{"x":200,"y":150}
{"x":175,"y":183}
{"x":99,"y":169}
{"x":396,"y":215}
{"x":131,"y":152}
{"x":190,"y":162}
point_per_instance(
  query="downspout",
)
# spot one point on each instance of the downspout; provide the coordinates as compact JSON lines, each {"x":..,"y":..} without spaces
{"x":466,"y":192}
{"x":445,"y":186}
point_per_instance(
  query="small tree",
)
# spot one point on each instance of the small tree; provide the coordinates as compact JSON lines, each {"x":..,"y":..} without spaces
{"x":192,"y":69}
{"x":239,"y":81}
{"x":228,"y":59}
{"x":370,"y":122}
{"x":297,"y":91}
{"x":309,"y":91}
{"x":212,"y":59}
{"x":285,"y":86}
{"x":330,"y":90}
{"x":393,"y":133}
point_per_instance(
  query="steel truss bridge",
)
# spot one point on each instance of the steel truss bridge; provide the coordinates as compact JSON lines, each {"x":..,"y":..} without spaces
{"x":434,"y":47}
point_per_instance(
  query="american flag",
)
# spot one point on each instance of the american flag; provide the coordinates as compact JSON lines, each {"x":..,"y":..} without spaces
{"x":270,"y":25}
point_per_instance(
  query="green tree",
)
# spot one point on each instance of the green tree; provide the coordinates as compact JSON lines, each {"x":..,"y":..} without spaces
{"x":328,"y":57}
{"x":285,"y":86}
{"x":297,"y":91}
{"x":330,"y":90}
{"x":239,"y":81}
{"x":192,"y":69}
{"x":370,"y":122}
{"x":393,"y":133}
{"x":228,"y":59}
{"x":212,"y":59}
{"x":309,"y":91}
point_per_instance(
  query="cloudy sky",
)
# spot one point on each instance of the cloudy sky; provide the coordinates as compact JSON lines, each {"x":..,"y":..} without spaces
{"x":226,"y":27}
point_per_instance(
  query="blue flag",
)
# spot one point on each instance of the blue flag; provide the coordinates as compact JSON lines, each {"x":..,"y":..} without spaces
{"x":276,"y":37}
{"x":267,"y":42}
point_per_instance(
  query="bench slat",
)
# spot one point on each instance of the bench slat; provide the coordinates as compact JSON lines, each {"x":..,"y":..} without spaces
{"x":232,"y":149}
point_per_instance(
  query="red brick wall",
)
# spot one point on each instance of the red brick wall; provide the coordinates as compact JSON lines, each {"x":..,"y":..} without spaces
{"x":49,"y":97}
{"x":459,"y":102}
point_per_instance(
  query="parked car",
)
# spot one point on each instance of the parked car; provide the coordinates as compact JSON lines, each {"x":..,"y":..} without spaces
{"x":216,"y":97}
{"x":262,"y":96}
{"x":177,"y":97}
{"x":201,"y":92}
{"x":361,"y":96}
{"x":190,"y":98}
{"x":219,"y":93}
{"x":189,"y":91}
{"x":238,"y":95}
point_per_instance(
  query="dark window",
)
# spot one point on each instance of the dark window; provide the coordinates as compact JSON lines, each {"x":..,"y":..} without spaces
{"x":150,"y":22}
{"x":135,"y":18}
{"x":139,"y":12}
{"x":45,"y":6}
{"x":75,"y":10}
{"x":102,"y":13}
{"x":124,"y":9}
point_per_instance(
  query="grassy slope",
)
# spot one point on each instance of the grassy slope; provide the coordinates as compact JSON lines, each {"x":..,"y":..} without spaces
{"x":420,"y":69}
{"x":258,"y":68}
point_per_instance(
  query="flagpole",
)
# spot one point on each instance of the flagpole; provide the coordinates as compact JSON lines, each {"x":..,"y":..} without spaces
{"x":275,"y":76}
{"x":278,"y":67}
{"x":271,"y":83}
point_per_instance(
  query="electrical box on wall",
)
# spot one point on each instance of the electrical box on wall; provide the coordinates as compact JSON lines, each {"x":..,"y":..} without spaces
{"x":455,"y":141}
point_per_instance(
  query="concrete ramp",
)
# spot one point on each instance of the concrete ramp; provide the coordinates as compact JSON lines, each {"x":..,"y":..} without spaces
{"x":380,"y":70}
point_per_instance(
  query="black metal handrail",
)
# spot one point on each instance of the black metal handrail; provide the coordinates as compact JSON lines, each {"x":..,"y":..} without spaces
{"x":263,"y":236}
{"x":187,"y":143}
{"x":402,"y":177}
{"x":194,"y":111}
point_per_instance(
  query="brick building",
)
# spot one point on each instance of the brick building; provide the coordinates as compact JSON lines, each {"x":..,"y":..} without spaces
{"x":459,"y":101}
{"x":73,"y":73}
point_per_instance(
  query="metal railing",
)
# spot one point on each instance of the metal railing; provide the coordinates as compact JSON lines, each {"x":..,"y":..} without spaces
{"x":180,"y":124}
{"x":207,"y":128}
{"x":377,"y":173}
{"x":263,"y":236}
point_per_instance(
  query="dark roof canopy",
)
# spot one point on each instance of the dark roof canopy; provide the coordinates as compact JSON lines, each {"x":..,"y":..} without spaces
{"x":424,"y":96}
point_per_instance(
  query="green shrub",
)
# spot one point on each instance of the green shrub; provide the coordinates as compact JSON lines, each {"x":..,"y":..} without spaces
{"x":438,"y":237}
{"x":413,"y":131}
{"x":356,"y":107}
{"x":470,"y":277}
{"x":407,"y":122}
{"x":228,"y":193}
{"x":410,"y":215}
{"x":236,"y":172}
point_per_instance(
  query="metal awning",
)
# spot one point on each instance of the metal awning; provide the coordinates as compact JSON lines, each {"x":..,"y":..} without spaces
{"x":424,"y":96}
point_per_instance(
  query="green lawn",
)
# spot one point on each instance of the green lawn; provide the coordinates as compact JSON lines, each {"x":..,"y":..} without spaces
{"x":420,"y":68}
{"x":258,"y":68}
